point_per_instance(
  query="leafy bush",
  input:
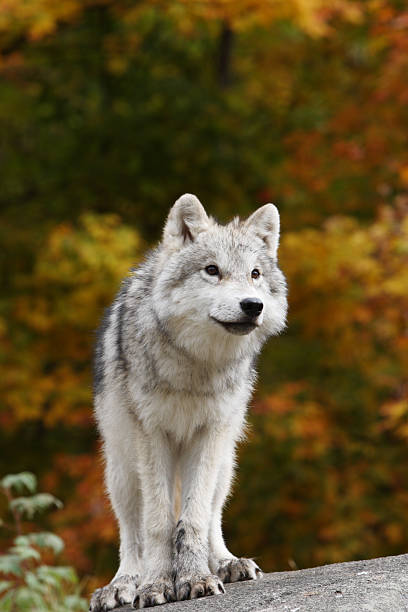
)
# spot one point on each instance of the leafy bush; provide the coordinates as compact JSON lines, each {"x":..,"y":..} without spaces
{"x":27,"y":582}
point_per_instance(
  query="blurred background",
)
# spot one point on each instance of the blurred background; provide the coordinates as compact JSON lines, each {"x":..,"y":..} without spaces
{"x":109,"y":110}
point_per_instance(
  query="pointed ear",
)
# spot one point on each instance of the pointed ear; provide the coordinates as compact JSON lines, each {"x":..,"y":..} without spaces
{"x":187,"y":218}
{"x":265,"y":223}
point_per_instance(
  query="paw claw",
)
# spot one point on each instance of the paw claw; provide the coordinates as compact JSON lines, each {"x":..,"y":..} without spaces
{"x":120,"y":591}
{"x":234,"y":570}
{"x":169,"y":595}
{"x":184,"y":592}
{"x":198,"y":591}
{"x":154,"y":594}
{"x":198,"y":586}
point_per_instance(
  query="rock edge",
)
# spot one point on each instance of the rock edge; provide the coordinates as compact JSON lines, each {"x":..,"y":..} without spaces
{"x":375,"y":585}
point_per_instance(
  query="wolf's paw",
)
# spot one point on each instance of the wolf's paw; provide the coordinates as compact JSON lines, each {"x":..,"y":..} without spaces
{"x":198,"y":586}
{"x":154,"y":594}
{"x":233,"y":570}
{"x":117,"y":593}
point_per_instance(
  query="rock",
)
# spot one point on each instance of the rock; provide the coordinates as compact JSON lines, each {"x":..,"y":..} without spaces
{"x":377,"y":585}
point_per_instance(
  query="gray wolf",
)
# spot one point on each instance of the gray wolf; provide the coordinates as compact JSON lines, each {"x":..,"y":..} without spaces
{"x":174,"y":370}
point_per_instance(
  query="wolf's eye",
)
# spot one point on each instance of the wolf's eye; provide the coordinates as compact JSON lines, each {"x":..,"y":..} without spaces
{"x":255,"y":273}
{"x":212,"y":270}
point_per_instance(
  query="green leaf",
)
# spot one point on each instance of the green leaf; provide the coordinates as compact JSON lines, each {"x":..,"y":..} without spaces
{"x":19,"y":482}
{"x":76,"y":603}
{"x":28,"y":506}
{"x":7,"y":601}
{"x":34,"y":583}
{"x":60,"y":573}
{"x":43,"y":539}
{"x":4,"y":585}
{"x":21,"y":540}
{"x":47,"y":577}
{"x":26,"y":552}
{"x":27,"y":599}
{"x":10,"y":564}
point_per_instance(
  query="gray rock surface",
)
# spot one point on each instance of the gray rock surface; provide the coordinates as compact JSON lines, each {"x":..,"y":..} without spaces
{"x":377,"y":585}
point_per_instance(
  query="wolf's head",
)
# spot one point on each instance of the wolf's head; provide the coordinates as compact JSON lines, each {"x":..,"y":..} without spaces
{"x":219,"y":290}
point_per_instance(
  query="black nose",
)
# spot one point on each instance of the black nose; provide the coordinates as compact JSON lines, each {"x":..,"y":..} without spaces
{"x":252,"y":307}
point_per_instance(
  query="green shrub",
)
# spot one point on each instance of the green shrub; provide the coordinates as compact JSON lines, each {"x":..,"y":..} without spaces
{"x":26,"y":582}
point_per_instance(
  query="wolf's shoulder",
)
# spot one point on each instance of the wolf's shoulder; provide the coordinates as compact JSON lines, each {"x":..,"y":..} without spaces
{"x":131,"y":303}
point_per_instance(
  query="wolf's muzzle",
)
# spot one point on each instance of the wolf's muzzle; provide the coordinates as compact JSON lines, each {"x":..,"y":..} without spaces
{"x":240,"y":328}
{"x":252,"y":307}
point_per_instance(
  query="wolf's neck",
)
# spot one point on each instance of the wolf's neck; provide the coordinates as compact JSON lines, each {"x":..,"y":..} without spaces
{"x":172,"y":369}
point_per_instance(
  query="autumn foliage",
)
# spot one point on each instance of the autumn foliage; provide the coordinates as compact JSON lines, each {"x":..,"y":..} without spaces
{"x":110,"y":110}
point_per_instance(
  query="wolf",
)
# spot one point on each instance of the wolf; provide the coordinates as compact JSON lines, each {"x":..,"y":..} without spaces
{"x":174,"y":370}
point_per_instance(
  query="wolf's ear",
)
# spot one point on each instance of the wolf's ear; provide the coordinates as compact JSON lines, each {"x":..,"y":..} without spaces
{"x":187,"y":218}
{"x":265,"y":223}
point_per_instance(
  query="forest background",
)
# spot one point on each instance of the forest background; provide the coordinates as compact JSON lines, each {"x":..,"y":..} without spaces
{"x":109,"y":110}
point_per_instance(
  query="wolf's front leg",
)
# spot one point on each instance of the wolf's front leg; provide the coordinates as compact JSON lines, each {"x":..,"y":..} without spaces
{"x":198,"y":470}
{"x":228,"y":567}
{"x":156,"y":472}
{"x":124,"y":491}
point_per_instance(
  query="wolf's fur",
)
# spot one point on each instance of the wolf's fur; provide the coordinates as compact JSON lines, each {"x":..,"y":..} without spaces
{"x":171,"y":391}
